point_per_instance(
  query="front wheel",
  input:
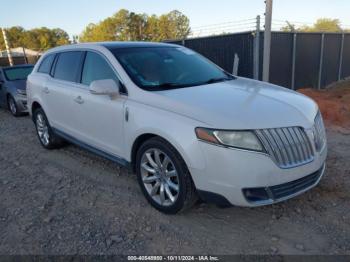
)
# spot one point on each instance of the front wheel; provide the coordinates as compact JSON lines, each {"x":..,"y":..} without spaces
{"x":12,"y":106}
{"x":164,"y":177}
{"x":47,"y":137}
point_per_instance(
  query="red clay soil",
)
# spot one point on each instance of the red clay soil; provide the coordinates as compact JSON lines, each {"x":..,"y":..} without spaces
{"x":334,"y":103}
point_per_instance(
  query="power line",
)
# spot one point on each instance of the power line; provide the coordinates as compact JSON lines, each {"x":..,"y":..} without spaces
{"x":229,"y":22}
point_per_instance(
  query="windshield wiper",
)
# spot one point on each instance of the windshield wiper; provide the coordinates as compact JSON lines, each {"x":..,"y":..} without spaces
{"x":163,"y":86}
{"x":218,"y":79}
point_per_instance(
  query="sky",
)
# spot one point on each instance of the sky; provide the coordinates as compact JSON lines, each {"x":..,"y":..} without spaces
{"x":73,"y":15}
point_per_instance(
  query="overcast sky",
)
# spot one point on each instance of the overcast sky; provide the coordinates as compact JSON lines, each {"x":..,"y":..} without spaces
{"x":74,"y":15}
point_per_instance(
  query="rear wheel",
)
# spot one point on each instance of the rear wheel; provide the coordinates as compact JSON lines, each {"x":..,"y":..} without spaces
{"x":12,"y":106}
{"x":47,"y":137}
{"x":164,"y":177}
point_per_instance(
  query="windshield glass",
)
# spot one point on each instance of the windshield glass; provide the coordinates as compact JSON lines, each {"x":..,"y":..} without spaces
{"x":17,"y":73}
{"x":160,"y":68}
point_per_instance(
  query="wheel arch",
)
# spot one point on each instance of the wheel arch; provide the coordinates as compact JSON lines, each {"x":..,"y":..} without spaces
{"x":35,"y":105}
{"x":146,"y":136}
{"x":137,"y":144}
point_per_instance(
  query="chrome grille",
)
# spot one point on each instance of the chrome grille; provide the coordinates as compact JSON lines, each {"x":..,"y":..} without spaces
{"x":319,"y":132}
{"x":288,"y":147}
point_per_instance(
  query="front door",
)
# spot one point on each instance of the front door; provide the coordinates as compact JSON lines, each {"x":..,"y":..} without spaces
{"x":100,"y":117}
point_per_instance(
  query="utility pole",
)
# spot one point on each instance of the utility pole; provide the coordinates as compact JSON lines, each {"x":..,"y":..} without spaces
{"x":257,"y":49}
{"x":267,"y":40}
{"x":7,"y":47}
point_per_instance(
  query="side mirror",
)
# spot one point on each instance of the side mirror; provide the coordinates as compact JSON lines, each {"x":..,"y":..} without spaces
{"x":105,"y":87}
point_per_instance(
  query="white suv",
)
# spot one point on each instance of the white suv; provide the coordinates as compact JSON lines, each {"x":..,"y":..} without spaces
{"x":186,"y":127}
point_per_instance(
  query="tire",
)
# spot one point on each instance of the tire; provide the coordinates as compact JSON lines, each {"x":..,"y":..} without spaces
{"x":156,"y":180}
{"x":12,"y":106}
{"x":47,"y":137}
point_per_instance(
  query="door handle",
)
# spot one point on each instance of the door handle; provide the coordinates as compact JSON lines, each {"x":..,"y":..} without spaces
{"x":46,"y":90}
{"x":79,"y":100}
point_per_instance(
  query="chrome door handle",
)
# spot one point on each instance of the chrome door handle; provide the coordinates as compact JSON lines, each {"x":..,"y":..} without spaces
{"x":79,"y":100}
{"x":46,"y":90}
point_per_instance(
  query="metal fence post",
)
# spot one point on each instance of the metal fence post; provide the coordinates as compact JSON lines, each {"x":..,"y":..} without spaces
{"x":183,"y":42}
{"x":256,"y":58}
{"x":235,"y":65}
{"x":321,"y":63}
{"x":293,"y":59}
{"x":267,"y":41}
{"x":340,"y":68}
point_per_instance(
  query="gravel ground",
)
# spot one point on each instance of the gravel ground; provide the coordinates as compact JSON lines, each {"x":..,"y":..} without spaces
{"x":69,"y":201}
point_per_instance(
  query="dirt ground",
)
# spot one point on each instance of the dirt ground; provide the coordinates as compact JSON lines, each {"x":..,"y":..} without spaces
{"x":334,"y":103}
{"x":69,"y":201}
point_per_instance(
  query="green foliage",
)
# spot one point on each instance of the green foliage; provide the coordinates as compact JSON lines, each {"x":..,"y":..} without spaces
{"x":37,"y":39}
{"x":321,"y":25}
{"x":130,"y":26}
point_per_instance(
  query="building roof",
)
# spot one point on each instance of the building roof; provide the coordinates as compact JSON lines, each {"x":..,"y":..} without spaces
{"x":18,"y":51}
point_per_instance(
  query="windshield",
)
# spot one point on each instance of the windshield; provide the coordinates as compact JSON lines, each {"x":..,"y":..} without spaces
{"x":160,"y":68}
{"x":17,"y":73}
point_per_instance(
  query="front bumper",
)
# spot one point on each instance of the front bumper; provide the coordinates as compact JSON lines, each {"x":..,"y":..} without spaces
{"x":229,"y":172}
{"x":22,"y":103}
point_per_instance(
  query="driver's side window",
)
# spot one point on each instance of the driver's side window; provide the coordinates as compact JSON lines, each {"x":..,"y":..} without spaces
{"x":96,"y":68}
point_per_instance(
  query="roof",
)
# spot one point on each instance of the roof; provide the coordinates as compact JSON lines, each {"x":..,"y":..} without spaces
{"x":108,"y":45}
{"x":116,"y":45}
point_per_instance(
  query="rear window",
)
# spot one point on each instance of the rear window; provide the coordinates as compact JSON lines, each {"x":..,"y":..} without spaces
{"x":45,"y":66}
{"x":68,"y":66}
{"x":17,"y":73}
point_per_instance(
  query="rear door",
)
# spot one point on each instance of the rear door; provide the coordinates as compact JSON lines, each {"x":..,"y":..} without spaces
{"x":59,"y":91}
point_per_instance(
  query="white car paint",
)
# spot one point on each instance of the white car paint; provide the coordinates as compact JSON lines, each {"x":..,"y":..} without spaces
{"x":240,"y":104}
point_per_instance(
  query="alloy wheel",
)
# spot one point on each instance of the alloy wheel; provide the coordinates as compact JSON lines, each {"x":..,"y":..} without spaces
{"x":160,"y":177}
{"x":42,"y":129}
{"x":12,"y":105}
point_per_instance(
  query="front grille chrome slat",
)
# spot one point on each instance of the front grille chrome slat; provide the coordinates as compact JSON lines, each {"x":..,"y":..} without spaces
{"x":319,"y":132}
{"x":288,"y":147}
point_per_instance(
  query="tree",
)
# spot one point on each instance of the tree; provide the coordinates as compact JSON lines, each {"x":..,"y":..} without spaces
{"x":130,"y":26}
{"x":321,"y":25}
{"x":39,"y":38}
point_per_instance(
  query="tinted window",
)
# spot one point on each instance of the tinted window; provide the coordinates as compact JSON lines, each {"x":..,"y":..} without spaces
{"x":96,"y":68}
{"x":17,"y":73}
{"x":46,"y":64}
{"x":161,"y":68}
{"x":68,"y":66}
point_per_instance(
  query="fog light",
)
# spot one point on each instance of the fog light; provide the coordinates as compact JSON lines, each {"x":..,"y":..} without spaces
{"x":255,"y":194}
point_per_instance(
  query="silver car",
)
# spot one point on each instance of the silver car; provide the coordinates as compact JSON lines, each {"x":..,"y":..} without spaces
{"x":13,"y":93}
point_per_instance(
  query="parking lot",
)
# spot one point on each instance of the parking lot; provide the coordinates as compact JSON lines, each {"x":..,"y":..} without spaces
{"x":69,"y":201}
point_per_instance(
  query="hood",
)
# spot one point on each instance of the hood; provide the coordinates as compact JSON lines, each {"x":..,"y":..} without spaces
{"x":17,"y":84}
{"x":240,"y":104}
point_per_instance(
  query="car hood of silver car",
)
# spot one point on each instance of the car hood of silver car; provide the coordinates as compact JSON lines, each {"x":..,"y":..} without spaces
{"x":239,"y":104}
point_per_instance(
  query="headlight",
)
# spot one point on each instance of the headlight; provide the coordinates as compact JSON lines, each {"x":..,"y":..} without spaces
{"x":22,"y":92}
{"x":238,"y":139}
